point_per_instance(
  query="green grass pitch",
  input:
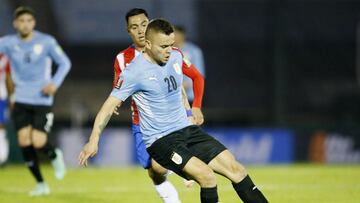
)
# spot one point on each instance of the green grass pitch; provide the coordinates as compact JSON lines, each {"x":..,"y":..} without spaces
{"x":280,"y":183}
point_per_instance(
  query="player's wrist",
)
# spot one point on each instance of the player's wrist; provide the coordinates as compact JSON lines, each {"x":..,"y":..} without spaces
{"x":189,"y":112}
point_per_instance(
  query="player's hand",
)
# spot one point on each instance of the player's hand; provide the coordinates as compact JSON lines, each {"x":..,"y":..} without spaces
{"x":198,"y":116}
{"x":89,"y":150}
{"x":49,"y":89}
{"x":188,"y":183}
{"x":116,"y":110}
{"x":192,"y":120}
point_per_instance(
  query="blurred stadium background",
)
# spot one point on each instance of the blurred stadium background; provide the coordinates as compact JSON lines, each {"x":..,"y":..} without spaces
{"x":282,"y":76}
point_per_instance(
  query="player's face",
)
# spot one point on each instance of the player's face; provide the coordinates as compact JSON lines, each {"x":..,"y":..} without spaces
{"x":24,"y":24}
{"x":160,"y":46}
{"x":136,"y":29}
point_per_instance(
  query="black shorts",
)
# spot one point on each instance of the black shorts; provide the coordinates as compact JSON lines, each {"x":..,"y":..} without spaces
{"x":38,"y":116}
{"x":173,"y":151}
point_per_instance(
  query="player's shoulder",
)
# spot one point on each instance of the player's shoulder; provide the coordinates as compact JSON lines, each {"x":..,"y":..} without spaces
{"x":177,"y":51}
{"x":45,"y":38}
{"x":127,"y":53}
{"x":7,"y":39}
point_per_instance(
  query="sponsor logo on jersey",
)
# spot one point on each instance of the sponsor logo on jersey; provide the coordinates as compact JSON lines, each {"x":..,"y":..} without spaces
{"x":38,"y":49}
{"x":176,"y":158}
{"x":177,"y":68}
{"x":153,"y":78}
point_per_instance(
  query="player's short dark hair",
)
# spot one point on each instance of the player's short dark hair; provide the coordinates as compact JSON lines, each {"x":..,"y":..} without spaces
{"x":23,"y":10}
{"x":159,"y":25}
{"x":134,"y":12}
{"x":180,"y":28}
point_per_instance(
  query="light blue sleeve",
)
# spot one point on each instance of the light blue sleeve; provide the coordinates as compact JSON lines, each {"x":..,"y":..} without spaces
{"x":3,"y":42}
{"x":127,"y":85}
{"x":61,"y":60}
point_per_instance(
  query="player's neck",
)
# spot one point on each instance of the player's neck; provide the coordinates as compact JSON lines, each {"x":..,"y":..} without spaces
{"x":140,"y":49}
{"x":149,"y":58}
{"x":27,"y":37}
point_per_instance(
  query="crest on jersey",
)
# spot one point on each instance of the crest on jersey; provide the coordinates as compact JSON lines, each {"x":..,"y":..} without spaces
{"x":176,"y":158}
{"x":177,"y":68}
{"x":186,"y":61}
{"x":38,"y":49}
{"x":119,"y":84}
{"x":59,"y":50}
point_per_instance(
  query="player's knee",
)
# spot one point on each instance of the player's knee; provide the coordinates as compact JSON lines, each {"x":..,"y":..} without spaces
{"x":237,"y":170}
{"x":24,"y":141}
{"x":38,"y":143}
{"x":206,"y":178}
{"x":39,"y":139}
{"x":156,"y":177}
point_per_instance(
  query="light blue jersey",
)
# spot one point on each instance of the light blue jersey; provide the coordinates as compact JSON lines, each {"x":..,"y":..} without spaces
{"x":195,"y":55}
{"x":31,"y":63}
{"x":156,"y":91}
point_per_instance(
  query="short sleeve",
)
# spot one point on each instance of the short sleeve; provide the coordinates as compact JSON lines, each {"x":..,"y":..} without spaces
{"x":126,"y":85}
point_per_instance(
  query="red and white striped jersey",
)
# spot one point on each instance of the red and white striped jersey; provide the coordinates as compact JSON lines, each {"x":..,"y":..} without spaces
{"x":4,"y":69}
{"x":121,"y":61}
{"x":124,"y":58}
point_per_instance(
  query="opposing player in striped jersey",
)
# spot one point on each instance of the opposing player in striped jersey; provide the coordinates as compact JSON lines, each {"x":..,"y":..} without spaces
{"x":153,"y":80}
{"x":137,"y":20}
{"x":6,"y":88}
{"x":31,"y":54}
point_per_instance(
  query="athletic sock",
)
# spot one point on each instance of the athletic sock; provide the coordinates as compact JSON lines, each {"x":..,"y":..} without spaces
{"x":167,"y":192}
{"x":248,"y":192}
{"x":49,"y":150}
{"x":32,"y":162}
{"x":4,"y":146}
{"x":209,"y":195}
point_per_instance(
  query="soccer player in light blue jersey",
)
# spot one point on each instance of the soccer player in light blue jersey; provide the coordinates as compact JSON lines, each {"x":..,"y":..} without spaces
{"x":154,"y":80}
{"x":31,"y":54}
{"x":193,"y":53}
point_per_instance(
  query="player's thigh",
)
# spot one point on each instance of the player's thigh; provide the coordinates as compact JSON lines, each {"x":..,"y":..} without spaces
{"x":202,"y":145}
{"x":225,"y":164}
{"x":198,"y":170}
{"x":43,"y":118}
{"x":141,"y":154}
{"x":170,"y":152}
{"x":22,"y":117}
{"x":157,"y":168}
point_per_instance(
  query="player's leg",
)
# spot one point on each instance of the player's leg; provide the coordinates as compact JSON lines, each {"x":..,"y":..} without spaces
{"x":156,"y":172}
{"x":43,"y":121}
{"x":163,"y":187}
{"x":171,"y":152}
{"x":4,"y":144}
{"x":22,"y":118}
{"x":226,"y":165}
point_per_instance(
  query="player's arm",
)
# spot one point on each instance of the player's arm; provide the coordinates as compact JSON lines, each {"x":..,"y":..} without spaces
{"x":101,"y":120}
{"x":187,"y":105}
{"x":126,"y":86}
{"x":63,"y":67}
{"x":3,"y":43}
{"x":198,"y":88}
{"x":9,"y":85}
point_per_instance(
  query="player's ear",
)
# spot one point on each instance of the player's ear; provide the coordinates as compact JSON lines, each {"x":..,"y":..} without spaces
{"x":15,"y":24}
{"x":147,"y":44}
